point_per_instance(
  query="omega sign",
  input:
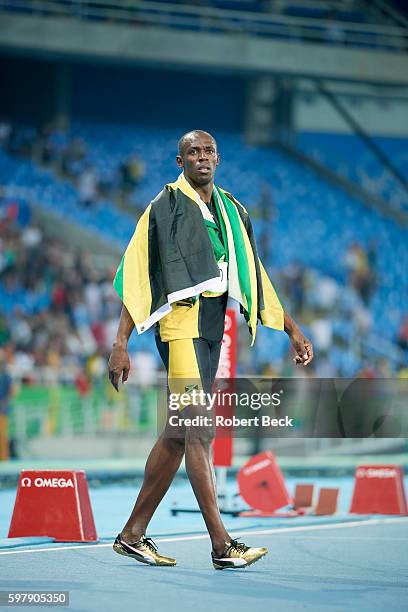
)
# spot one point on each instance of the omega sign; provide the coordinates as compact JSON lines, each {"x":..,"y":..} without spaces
{"x":372,"y":472}
{"x":47,"y":482}
{"x":227,"y":364}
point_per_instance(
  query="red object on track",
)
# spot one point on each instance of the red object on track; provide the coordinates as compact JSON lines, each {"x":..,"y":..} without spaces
{"x":379,"y":489}
{"x":223,"y":442}
{"x":327,"y":501}
{"x":53,"y":503}
{"x":303,"y":499}
{"x":262,"y":485}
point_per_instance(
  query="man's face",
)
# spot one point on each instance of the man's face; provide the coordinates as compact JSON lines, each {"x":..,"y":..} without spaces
{"x":199,"y":159}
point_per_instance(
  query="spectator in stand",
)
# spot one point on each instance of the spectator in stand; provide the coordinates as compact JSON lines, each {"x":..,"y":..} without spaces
{"x":88,"y":186}
{"x":132,"y":172}
{"x":321,"y":330}
{"x":59,"y":297}
{"x":295,"y":286}
{"x":93,"y":295}
{"x":21,"y":333}
{"x":74,"y":158}
{"x":108,"y":183}
{"x":360,"y":275}
{"x":326,"y":293}
{"x":372,"y":253}
{"x":31,"y":237}
{"x":48,"y":147}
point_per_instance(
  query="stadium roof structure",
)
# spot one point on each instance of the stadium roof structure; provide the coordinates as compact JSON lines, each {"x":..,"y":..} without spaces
{"x":208,"y":38}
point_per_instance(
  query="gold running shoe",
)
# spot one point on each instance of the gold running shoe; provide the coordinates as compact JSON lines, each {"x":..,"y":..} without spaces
{"x":144,"y":550}
{"x":237,"y":554}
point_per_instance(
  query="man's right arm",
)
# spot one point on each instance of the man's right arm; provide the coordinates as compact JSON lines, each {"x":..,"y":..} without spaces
{"x":119,"y":363}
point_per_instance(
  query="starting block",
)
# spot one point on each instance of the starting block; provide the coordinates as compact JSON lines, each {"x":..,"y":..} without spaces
{"x":53,"y":503}
{"x":327,"y":502}
{"x":303,"y":499}
{"x":262,"y":485}
{"x":379,"y":489}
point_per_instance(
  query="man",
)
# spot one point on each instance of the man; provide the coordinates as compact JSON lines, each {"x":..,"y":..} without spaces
{"x":190,"y":240}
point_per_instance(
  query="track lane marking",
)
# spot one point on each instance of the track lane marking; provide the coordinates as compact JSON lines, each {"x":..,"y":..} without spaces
{"x":274,"y":530}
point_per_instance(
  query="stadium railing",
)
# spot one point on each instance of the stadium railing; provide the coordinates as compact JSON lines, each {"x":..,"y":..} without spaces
{"x":211,"y":19}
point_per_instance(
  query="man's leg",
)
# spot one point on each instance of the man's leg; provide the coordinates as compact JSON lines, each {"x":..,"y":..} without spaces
{"x":201,"y":475}
{"x":227,"y":553}
{"x":198,"y":450}
{"x":161,"y":467}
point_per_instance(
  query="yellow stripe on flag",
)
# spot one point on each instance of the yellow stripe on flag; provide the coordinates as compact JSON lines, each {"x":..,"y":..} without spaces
{"x":272,"y":313}
{"x":137,"y":294}
{"x":253,"y":315}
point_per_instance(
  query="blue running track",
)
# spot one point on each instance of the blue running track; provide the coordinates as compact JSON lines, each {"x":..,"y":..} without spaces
{"x":341,"y":563}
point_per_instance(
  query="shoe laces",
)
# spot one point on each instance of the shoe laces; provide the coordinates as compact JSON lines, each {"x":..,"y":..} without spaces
{"x":149,"y":543}
{"x":239,"y":547}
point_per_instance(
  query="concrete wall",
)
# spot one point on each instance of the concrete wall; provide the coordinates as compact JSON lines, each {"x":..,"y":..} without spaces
{"x":378,"y":116}
{"x":69,"y":38}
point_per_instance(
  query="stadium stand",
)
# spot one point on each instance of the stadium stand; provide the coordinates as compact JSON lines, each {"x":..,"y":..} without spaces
{"x":60,"y":195}
{"x":347,"y":155}
{"x":349,"y":298}
{"x":57,"y":310}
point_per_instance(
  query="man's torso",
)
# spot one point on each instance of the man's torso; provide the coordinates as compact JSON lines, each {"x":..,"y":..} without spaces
{"x":202,"y":319}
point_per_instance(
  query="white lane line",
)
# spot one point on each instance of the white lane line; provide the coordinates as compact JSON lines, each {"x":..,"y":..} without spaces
{"x":274,"y":530}
{"x":342,"y":537}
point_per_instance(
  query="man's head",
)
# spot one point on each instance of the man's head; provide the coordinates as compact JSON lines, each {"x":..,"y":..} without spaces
{"x":198,"y":157}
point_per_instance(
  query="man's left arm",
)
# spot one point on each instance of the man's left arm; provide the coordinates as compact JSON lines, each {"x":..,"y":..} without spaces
{"x":302,"y":345}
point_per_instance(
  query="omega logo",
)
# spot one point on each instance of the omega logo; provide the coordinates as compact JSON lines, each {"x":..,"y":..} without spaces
{"x":47,"y":482}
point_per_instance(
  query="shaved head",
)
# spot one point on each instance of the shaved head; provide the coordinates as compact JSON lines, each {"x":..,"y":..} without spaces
{"x":198,"y":156}
{"x":190,"y":136}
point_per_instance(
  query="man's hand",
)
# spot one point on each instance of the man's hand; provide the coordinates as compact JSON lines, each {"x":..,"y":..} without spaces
{"x":303,"y":347}
{"x":119,"y":365}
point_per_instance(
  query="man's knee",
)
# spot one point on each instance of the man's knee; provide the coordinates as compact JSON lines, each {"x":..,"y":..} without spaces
{"x":175,"y":440}
{"x":199,"y":425}
{"x":200,"y":435}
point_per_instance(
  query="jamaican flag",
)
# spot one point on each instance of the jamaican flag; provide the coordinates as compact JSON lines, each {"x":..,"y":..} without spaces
{"x":172,"y":257}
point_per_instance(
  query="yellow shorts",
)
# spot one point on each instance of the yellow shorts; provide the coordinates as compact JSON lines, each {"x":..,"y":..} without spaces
{"x":190,"y":363}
